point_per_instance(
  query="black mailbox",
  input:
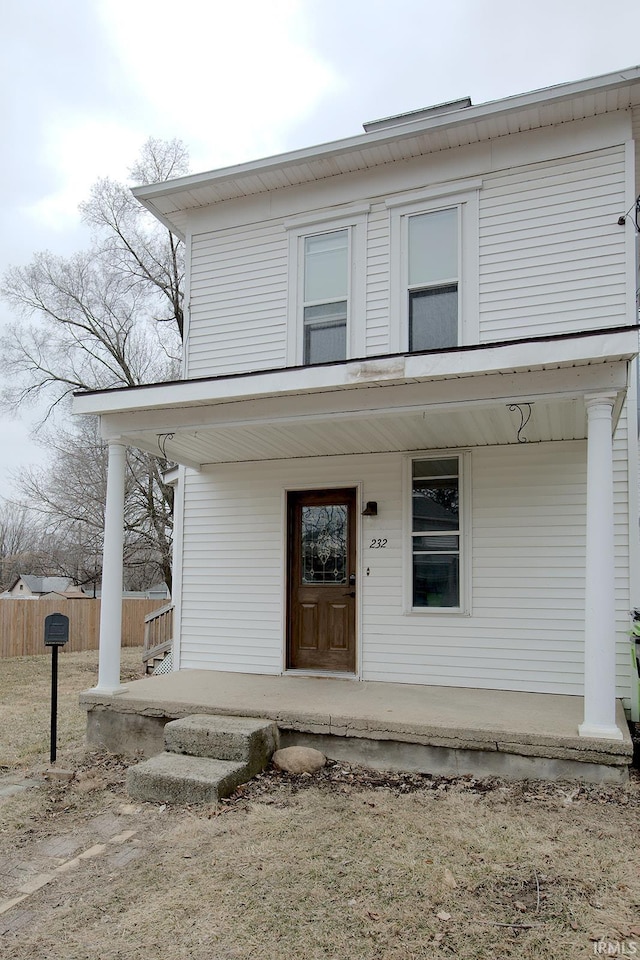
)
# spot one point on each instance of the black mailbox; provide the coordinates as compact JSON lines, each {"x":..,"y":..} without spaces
{"x":56,"y":630}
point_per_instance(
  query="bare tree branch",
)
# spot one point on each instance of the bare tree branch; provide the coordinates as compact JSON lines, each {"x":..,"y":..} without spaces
{"x":110,"y":316}
{"x":66,"y":499}
{"x":133,"y":241}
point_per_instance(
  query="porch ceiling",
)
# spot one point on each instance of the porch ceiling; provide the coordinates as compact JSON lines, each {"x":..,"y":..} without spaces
{"x":528,"y":391}
{"x":382,"y":431}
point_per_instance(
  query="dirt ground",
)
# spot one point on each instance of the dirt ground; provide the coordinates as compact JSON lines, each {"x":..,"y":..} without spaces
{"x":345,"y":863}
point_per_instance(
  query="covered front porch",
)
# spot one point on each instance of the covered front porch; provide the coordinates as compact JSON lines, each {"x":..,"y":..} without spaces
{"x":439,"y":730}
{"x":497,"y":396}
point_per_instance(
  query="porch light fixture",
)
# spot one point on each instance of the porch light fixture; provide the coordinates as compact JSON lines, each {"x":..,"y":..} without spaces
{"x":371,"y":509}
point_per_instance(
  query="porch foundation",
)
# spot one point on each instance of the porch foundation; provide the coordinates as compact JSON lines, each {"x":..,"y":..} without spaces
{"x":440,"y":730}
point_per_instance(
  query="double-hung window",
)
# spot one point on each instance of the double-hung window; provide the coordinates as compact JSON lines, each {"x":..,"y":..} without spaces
{"x":436,"y":533}
{"x":432,"y":241}
{"x":326,"y":296}
{"x":326,"y":285}
{"x":434,"y":267}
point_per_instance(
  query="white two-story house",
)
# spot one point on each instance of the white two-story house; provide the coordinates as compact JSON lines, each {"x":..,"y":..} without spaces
{"x":407,"y":426}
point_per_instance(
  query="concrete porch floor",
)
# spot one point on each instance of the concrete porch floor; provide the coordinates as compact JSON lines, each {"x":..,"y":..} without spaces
{"x":441,"y":730}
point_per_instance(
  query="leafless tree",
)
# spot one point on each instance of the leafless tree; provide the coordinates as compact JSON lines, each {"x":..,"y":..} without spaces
{"x":108,"y":317}
{"x":20,"y":544}
{"x":111,"y":316}
{"x":66,"y":499}
{"x":150,"y":258}
{"x":82,"y":326}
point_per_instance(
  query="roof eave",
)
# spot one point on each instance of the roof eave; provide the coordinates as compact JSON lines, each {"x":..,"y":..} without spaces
{"x":146,"y":194}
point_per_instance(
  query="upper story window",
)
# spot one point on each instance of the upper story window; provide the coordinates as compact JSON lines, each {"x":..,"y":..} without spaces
{"x":434,"y":267}
{"x":432,"y":241}
{"x":326,"y":297}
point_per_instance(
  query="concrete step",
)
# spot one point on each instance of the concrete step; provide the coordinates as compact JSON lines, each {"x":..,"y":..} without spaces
{"x":177,"y":778}
{"x":247,"y":739}
{"x":206,"y":757}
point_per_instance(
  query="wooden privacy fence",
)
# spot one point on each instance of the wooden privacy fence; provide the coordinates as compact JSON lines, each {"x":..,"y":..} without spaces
{"x":22,"y":623}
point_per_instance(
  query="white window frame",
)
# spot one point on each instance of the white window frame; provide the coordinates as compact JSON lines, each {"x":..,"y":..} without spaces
{"x":464,"y":486}
{"x":464,"y":197}
{"x":354,"y":221}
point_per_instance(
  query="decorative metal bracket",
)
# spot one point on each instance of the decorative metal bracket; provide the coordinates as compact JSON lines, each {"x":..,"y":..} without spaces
{"x":635,"y":206}
{"x":162,"y":443}
{"x":524,"y":418}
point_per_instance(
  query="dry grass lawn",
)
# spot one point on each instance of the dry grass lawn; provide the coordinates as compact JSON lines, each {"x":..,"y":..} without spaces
{"x":345,"y":864}
{"x":25,"y":702}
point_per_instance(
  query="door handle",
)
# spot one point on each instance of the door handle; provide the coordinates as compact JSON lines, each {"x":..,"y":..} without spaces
{"x":351,"y":593}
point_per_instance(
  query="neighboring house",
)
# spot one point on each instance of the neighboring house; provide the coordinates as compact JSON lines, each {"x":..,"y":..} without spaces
{"x":407,"y":428}
{"x":30,"y":587}
{"x":159,"y":591}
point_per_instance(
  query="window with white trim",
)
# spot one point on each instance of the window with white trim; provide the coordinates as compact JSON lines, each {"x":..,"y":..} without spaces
{"x":434,"y":267}
{"x":326,"y":298}
{"x":436,"y":533}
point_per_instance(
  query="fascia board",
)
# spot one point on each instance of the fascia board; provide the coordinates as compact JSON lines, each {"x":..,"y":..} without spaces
{"x":614,"y":345}
{"x":559,"y":384}
{"x":536,"y":98}
{"x":618,"y":346}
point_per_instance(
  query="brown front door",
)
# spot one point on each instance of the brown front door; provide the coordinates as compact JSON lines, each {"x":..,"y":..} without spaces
{"x":321,"y":631}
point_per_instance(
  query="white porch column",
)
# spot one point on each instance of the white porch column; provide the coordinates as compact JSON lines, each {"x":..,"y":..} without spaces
{"x":111,"y":604}
{"x":599,"y":638}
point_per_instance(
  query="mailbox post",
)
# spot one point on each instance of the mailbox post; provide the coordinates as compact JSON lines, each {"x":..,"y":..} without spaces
{"x":56,"y":634}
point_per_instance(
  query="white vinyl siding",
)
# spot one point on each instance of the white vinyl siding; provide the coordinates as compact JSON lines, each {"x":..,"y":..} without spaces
{"x":550,"y":259}
{"x":231,"y":595}
{"x":238,"y":303}
{"x":552,"y":254}
{"x":525,"y":630}
{"x":377,"y":332}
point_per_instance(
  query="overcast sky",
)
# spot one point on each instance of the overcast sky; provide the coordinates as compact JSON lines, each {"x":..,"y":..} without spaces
{"x":85,"y":82}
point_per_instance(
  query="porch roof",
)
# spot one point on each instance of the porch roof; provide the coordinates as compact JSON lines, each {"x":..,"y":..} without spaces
{"x":475,"y":395}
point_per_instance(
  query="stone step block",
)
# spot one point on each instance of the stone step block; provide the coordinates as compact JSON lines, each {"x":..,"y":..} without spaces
{"x":247,"y":739}
{"x":177,"y":778}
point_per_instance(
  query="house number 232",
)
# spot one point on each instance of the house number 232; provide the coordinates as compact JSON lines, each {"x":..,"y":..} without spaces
{"x":378,"y":543}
